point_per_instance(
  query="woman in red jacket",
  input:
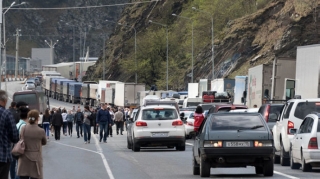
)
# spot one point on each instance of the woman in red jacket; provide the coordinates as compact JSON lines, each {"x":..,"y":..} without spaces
{"x":198,"y":118}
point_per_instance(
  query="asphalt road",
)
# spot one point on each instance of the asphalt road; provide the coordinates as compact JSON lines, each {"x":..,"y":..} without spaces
{"x":70,"y":158}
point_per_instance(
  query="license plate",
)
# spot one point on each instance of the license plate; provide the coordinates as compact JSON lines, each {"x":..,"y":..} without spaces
{"x":238,"y":144}
{"x":160,"y":134}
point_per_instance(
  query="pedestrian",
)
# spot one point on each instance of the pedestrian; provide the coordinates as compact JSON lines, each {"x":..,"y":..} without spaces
{"x":23,"y":111}
{"x":14,"y":112}
{"x":118,"y":119}
{"x":86,"y":124}
{"x":110,"y":130}
{"x":93,"y":121}
{"x":8,"y":135}
{"x":40,"y":120}
{"x":73,"y":111}
{"x":51,"y":127}
{"x":103,"y":120}
{"x":198,"y":118}
{"x":70,"y":119}
{"x":78,"y":120}
{"x":57,"y":123}
{"x":65,"y":122}
{"x":46,"y":122}
{"x":30,"y":164}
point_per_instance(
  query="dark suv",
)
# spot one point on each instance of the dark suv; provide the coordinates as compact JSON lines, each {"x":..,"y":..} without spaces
{"x":270,"y":113}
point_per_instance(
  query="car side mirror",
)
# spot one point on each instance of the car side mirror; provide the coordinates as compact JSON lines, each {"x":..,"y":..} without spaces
{"x":292,"y":131}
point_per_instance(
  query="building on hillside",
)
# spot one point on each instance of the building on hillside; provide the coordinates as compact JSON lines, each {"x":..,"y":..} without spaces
{"x":23,"y":65}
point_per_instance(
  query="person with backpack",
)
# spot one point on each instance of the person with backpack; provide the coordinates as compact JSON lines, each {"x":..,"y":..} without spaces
{"x":70,"y":119}
{"x":86,"y":124}
{"x":46,"y":119}
{"x":57,"y":123}
{"x":78,"y":120}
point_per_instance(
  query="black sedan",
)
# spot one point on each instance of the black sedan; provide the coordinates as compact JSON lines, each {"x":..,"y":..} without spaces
{"x":233,"y":140}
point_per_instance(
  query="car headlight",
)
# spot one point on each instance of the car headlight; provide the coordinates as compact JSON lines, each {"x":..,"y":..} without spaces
{"x":266,"y":143}
{"x":212,"y":144}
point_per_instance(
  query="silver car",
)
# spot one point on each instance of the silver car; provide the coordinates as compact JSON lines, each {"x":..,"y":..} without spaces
{"x":30,"y":85}
{"x":233,"y":140}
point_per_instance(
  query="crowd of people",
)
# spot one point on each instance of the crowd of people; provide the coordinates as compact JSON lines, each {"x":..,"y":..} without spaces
{"x":19,"y":122}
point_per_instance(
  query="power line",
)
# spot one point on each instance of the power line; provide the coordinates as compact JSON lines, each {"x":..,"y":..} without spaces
{"x":87,"y":7}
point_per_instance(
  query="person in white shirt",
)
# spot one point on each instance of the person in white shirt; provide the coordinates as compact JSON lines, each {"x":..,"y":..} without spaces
{"x":65,"y":122}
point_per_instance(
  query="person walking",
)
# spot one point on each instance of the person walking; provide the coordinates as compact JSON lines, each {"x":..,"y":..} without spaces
{"x":51,"y":127}
{"x":46,"y":118}
{"x":110,"y":130}
{"x":118,"y":119}
{"x":198,"y":118}
{"x":30,"y":164}
{"x":14,"y":112}
{"x":70,"y":119}
{"x":93,"y":121}
{"x":103,"y":120}
{"x":65,"y":122}
{"x":57,"y":123}
{"x":78,"y":120}
{"x":8,"y":135}
{"x":86,"y":124}
{"x":23,"y":112}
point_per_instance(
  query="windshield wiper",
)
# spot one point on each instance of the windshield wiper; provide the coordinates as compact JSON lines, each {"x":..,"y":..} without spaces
{"x":256,"y":127}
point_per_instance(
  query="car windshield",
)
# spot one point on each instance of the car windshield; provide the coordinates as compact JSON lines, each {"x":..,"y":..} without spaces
{"x":30,"y":99}
{"x":227,"y":109}
{"x":159,"y":114}
{"x":237,"y":122}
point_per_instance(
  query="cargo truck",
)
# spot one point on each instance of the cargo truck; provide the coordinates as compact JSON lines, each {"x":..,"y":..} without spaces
{"x":221,"y":85}
{"x":74,"y":92}
{"x":307,"y":72}
{"x":93,"y":94}
{"x":240,"y":90}
{"x":126,"y":94}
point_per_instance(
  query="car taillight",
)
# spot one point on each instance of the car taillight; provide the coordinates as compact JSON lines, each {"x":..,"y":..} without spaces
{"x":177,"y":123}
{"x":141,"y":124}
{"x":266,"y":114}
{"x":189,"y":123}
{"x":290,"y":126}
{"x":313,"y":143}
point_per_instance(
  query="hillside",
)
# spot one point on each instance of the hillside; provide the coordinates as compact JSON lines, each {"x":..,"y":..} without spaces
{"x":247,"y":33}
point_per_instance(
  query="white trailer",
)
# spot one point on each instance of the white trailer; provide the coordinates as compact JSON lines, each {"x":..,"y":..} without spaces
{"x":126,"y":94}
{"x":307,"y":71}
{"x":221,"y":85}
{"x":193,"y":90}
{"x":203,"y":86}
{"x":259,"y":83}
{"x":239,"y":89}
{"x":108,"y":87}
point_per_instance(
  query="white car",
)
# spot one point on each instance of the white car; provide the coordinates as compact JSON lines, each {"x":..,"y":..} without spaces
{"x":292,"y":115}
{"x":189,"y":128}
{"x":157,"y":125}
{"x":304,"y":150}
{"x":30,"y":86}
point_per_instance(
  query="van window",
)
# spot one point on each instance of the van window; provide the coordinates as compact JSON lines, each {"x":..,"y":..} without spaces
{"x":27,"y":98}
{"x":305,"y":108}
{"x":287,"y":111}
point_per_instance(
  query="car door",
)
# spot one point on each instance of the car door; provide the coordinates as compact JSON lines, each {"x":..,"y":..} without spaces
{"x":198,"y":138}
{"x":296,"y":144}
{"x":307,"y":135}
{"x":280,"y":124}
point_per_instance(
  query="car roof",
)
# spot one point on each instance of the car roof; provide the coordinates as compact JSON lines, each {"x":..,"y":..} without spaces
{"x":303,"y":100}
{"x":158,"y":106}
{"x":236,"y":114}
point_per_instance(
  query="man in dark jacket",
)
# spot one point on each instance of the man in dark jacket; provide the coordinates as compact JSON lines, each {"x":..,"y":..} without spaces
{"x":14,"y":112}
{"x":93,"y":121}
{"x":57,"y":122}
{"x":78,"y":120}
{"x":103,"y":120}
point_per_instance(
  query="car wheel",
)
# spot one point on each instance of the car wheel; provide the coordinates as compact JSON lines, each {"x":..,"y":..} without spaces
{"x":306,"y":167}
{"x":196,"y":167}
{"x":259,"y":169}
{"x":283,"y":161}
{"x":135,"y":147}
{"x":292,"y":164}
{"x":181,"y":147}
{"x":268,"y":168}
{"x":276,"y":159}
{"x":128,"y":144}
{"x":204,"y":168}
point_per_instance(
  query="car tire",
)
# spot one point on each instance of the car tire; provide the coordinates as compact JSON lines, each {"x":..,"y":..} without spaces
{"x":196,"y":167}
{"x":276,"y":159}
{"x":135,"y":147}
{"x":268,"y":168}
{"x":306,"y":167}
{"x":129,"y":146}
{"x":204,"y":168}
{"x":293,"y":166}
{"x":259,"y":170}
{"x":283,"y":161}
{"x":181,"y":147}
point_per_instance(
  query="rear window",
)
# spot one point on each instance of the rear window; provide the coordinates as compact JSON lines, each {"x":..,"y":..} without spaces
{"x":305,"y":108}
{"x":228,"y":109}
{"x":237,"y":123}
{"x":159,"y":114}
{"x":206,"y":106}
{"x":27,"y":98}
{"x":318,"y":128}
{"x":274,"y":110}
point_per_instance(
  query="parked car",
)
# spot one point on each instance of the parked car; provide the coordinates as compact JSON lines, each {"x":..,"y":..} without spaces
{"x":292,"y":115}
{"x":304,"y":149}
{"x":233,"y":140}
{"x":271,"y":112}
{"x":30,"y":85}
{"x":224,"y":107}
{"x":156,"y":125}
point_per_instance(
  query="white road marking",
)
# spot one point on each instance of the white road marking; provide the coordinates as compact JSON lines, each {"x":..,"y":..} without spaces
{"x":105,"y":162}
{"x":276,"y":172}
{"x":77,"y":147}
{"x":285,"y":175}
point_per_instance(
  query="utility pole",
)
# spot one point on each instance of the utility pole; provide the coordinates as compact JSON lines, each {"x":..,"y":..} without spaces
{"x":103,"y":57}
{"x":74,"y":64}
{"x":51,"y":45}
{"x":17,"y":52}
